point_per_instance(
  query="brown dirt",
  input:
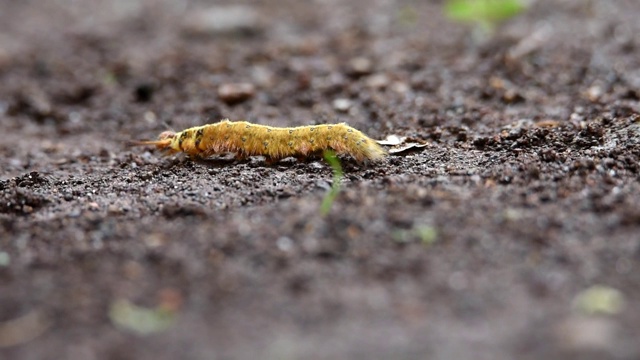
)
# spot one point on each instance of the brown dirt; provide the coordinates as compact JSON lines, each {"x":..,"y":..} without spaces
{"x":530,"y":182}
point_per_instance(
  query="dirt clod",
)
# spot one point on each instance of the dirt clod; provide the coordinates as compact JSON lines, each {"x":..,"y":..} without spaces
{"x":236,"y":93}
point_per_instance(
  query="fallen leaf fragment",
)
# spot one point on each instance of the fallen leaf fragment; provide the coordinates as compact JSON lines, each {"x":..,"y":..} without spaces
{"x":222,"y":20}
{"x":400,"y":144}
{"x":599,"y":299}
{"x":392,"y":140}
{"x":23,"y":329}
{"x":548,"y":123}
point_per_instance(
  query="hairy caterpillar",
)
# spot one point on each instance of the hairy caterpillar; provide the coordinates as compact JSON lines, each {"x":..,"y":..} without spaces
{"x":274,"y":143}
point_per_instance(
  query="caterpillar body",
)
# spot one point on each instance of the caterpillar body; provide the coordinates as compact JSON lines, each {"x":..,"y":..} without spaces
{"x":274,"y":143}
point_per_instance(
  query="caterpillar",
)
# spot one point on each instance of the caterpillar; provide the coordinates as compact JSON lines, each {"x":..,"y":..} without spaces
{"x":274,"y":143}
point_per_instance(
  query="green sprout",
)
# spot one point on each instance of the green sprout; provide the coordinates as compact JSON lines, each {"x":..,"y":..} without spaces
{"x":486,"y":14}
{"x":140,"y":320}
{"x":427,"y":235}
{"x":329,"y":198}
{"x":599,"y":299}
{"x":5,"y":259}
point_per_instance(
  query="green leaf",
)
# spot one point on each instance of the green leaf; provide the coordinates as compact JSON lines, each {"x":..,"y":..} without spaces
{"x":330,"y":197}
{"x":427,"y":234}
{"x":599,"y":299}
{"x":5,"y":259}
{"x":138,"y":319}
{"x":483,"y":11}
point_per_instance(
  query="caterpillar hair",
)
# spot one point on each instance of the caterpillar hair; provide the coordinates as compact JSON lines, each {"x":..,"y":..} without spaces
{"x":274,"y":143}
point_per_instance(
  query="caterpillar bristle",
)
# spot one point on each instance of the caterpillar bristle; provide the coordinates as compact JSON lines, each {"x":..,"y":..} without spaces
{"x":247,"y":139}
{"x":163,"y":142}
{"x":160,"y":144}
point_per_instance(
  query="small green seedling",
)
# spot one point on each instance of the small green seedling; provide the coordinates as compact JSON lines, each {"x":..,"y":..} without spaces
{"x":485,"y":14}
{"x":599,"y":299}
{"x":5,"y":259}
{"x":140,"y":320}
{"x":329,"y":198}
{"x":427,"y":234}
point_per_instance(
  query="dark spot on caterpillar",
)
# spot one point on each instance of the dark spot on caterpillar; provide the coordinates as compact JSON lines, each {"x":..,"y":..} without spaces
{"x":328,"y":138}
{"x":329,"y":127}
{"x":226,"y":137}
{"x":228,"y":125}
{"x":199,"y":135}
{"x":312,"y":129}
{"x":244,"y":139}
{"x":349,"y":130}
{"x":290,"y":131}
{"x":268,"y":130}
{"x":248,"y":127}
{"x":291,"y":144}
{"x":311,"y":141}
{"x":266,"y":143}
{"x":183,"y":135}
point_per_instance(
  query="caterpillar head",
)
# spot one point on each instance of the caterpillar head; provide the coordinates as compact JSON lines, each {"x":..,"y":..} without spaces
{"x":166,"y":135}
{"x":167,"y":141}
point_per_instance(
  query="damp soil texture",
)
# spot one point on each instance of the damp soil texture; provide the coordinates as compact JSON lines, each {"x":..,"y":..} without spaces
{"x":515,"y":233}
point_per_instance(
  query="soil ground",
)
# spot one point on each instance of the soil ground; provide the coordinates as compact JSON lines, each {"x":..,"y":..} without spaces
{"x":474,"y":247}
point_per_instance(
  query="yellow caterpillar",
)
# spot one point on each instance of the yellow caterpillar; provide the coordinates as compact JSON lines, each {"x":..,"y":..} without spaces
{"x":274,"y":143}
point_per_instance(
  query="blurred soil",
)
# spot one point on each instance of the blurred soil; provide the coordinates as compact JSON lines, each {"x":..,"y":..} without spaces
{"x":474,"y":247}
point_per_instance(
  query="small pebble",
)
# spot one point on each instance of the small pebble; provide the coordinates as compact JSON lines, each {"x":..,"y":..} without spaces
{"x":114,"y":210}
{"x":284,"y":244}
{"x":74,"y":213}
{"x":263,"y":76}
{"x":234,"y":93}
{"x":594,"y":93}
{"x":511,"y":96}
{"x":5,"y":259}
{"x":154,"y":240}
{"x":400,"y":87}
{"x":360,"y":66}
{"x":342,"y":105}
{"x":222,"y":20}
{"x":378,"y":81}
{"x":150,"y":117}
{"x":586,"y":334}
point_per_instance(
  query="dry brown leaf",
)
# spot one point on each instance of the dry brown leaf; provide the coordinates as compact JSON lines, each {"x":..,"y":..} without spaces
{"x":400,"y":144}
